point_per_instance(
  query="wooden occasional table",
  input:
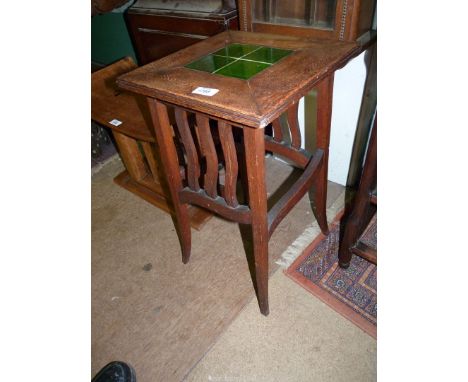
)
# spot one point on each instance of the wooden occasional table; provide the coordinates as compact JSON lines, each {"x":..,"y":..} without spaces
{"x":224,"y":91}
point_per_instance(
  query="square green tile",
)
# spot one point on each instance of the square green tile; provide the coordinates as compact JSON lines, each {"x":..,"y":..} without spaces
{"x":209,"y":63}
{"x":268,"y":55}
{"x":236,"y":50}
{"x":242,"y":69}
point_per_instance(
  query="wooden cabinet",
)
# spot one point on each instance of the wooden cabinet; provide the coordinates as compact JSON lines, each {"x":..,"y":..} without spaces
{"x":337,"y":19}
{"x":161,"y":27}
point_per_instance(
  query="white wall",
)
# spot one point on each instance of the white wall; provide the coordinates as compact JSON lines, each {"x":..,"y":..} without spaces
{"x":347,"y":96}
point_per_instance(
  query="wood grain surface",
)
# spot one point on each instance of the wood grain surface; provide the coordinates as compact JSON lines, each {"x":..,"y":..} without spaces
{"x":108,"y":102}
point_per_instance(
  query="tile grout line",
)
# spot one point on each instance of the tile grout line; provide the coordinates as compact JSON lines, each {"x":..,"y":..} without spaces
{"x":244,"y":59}
{"x":237,"y":59}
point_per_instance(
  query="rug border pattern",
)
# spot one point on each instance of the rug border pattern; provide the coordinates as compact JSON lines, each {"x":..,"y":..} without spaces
{"x":329,"y":297}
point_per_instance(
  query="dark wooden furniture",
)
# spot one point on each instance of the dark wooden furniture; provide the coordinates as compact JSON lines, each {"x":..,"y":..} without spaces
{"x":335,"y":19}
{"x":243,"y":105}
{"x":133,"y":137}
{"x":366,"y":115}
{"x":161,"y":27}
{"x":363,"y":210}
{"x":103,"y":6}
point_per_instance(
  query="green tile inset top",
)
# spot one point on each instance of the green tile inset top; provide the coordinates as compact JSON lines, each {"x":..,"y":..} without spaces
{"x":210,"y":63}
{"x":239,"y":60}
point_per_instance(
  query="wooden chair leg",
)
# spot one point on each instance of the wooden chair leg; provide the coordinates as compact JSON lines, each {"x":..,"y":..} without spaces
{"x":169,"y":159}
{"x":324,"y":109}
{"x":351,"y":232}
{"x":255,"y":150}
{"x":319,"y":205}
{"x":361,"y":209}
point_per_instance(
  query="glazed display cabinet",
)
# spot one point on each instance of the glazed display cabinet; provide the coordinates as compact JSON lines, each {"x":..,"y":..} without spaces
{"x":336,"y":19}
{"x":162,"y":27}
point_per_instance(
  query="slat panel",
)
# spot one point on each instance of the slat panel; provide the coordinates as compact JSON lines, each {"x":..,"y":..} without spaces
{"x":293,"y":123}
{"x":230,"y":158}
{"x":208,"y":150}
{"x":277,"y":132}
{"x":193,"y":166}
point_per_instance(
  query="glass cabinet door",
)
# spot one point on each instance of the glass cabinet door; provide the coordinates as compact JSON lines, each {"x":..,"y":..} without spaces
{"x":318,"y":14}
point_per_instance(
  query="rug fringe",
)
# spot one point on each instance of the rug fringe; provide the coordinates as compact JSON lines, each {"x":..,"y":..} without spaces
{"x":310,"y":233}
{"x":296,"y":248}
{"x":98,"y":167}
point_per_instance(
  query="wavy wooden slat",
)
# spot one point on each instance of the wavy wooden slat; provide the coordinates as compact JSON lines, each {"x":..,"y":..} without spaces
{"x":293,"y":123}
{"x":277,"y":132}
{"x":193,"y":165}
{"x":231,"y":166}
{"x":208,"y":150}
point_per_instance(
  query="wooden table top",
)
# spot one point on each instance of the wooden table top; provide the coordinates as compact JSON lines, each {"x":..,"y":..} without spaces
{"x":255,"y":85}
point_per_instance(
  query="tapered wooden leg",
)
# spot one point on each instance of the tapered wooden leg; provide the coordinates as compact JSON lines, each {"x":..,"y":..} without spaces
{"x":324,"y":110}
{"x":358,"y":220}
{"x":163,"y":131}
{"x":254,"y":142}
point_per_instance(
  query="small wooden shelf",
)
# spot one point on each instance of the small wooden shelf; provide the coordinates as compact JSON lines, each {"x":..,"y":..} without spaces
{"x":134,"y":138}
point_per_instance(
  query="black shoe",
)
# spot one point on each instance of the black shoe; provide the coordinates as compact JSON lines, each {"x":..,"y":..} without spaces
{"x":115,"y":372}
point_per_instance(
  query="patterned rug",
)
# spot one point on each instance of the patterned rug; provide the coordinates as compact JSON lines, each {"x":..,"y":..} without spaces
{"x":351,"y":292}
